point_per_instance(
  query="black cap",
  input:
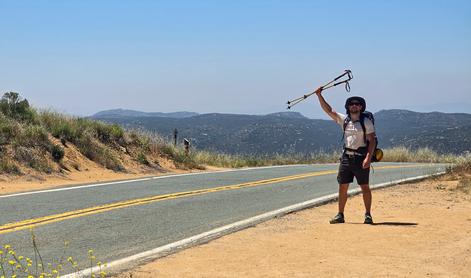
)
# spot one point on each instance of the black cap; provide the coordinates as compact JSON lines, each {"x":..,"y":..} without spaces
{"x":356,"y":98}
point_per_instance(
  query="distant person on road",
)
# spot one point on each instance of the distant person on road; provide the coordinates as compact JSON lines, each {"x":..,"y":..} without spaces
{"x":357,"y":152}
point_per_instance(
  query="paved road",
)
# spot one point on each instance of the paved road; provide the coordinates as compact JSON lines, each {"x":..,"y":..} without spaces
{"x":122,"y":219}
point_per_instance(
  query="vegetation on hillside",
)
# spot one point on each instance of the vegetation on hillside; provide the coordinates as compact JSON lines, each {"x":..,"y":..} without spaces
{"x":39,"y":140}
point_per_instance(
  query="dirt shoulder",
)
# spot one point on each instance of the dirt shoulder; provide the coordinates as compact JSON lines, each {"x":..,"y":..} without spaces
{"x":89,"y":172}
{"x":423,"y":229}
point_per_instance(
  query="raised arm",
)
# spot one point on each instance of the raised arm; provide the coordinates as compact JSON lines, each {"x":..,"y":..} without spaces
{"x":326,"y":107}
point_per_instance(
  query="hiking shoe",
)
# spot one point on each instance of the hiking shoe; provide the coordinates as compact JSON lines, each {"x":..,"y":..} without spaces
{"x":337,"y":219}
{"x":368,"y":219}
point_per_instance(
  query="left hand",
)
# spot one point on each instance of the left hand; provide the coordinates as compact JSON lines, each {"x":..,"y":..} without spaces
{"x":366,"y":163}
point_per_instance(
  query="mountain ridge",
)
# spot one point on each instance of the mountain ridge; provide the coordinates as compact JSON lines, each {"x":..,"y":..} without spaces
{"x":135,"y":113}
{"x":286,"y":133}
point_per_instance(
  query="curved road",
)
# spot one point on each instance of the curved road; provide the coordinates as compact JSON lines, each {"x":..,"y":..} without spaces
{"x":120,"y":219}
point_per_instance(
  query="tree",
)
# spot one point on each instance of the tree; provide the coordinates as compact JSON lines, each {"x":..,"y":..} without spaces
{"x":12,"y":105}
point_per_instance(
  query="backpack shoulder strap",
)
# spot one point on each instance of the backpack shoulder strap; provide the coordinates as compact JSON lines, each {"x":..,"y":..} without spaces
{"x":345,"y":123}
{"x":362,"y":122}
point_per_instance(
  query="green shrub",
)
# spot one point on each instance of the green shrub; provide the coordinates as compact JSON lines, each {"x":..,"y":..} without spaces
{"x":13,"y":106}
{"x":109,"y":160}
{"x":8,"y":130}
{"x":141,"y":158}
{"x":117,"y":132}
{"x":33,"y":158}
{"x":91,"y":148}
{"x":31,"y":136}
{"x":57,"y":153}
{"x":60,"y":126}
{"x":139,"y":140}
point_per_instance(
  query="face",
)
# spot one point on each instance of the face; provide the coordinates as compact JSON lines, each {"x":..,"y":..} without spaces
{"x":354,"y":107}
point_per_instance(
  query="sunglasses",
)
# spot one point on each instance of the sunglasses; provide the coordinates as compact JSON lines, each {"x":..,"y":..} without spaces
{"x":354,"y":103}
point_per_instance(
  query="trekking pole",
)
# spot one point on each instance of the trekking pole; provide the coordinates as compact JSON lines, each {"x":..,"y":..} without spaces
{"x":328,"y":85}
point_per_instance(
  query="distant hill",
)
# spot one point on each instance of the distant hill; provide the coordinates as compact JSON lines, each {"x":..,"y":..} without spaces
{"x":288,"y":114}
{"x":133,"y":113}
{"x":443,"y":132}
{"x":291,"y":132}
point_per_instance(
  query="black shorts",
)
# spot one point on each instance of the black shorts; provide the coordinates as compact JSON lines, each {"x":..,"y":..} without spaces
{"x":352,"y":167}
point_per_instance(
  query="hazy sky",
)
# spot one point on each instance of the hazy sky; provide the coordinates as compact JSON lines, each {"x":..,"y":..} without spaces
{"x":81,"y":57}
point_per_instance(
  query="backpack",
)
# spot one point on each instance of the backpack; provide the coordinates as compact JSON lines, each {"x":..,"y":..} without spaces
{"x":377,"y":153}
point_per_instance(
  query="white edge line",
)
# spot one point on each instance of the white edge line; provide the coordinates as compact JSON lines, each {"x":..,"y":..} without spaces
{"x":146,"y":179}
{"x":134,"y":260}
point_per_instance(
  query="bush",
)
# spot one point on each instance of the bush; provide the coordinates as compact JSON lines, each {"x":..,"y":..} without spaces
{"x":8,"y":130}
{"x":33,"y":158}
{"x":462,"y":164}
{"x":11,"y":105}
{"x":95,"y":151}
{"x":8,"y":167}
{"x":141,"y":158}
{"x":31,"y":136}
{"x":57,"y":153}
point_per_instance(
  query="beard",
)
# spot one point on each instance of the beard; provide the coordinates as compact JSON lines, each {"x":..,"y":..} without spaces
{"x":354,"y":110}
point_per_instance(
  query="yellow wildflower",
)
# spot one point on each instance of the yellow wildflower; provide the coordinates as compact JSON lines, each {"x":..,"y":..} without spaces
{"x":11,"y":262}
{"x":7,"y":247}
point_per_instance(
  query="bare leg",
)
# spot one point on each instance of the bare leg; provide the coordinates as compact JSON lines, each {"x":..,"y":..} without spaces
{"x":343,"y":188}
{"x":365,"y":189}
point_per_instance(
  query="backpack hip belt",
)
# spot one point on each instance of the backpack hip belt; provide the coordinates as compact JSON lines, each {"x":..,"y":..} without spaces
{"x":352,"y":152}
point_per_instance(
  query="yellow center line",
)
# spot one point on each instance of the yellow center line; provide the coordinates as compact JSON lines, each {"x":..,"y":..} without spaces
{"x":30,"y":223}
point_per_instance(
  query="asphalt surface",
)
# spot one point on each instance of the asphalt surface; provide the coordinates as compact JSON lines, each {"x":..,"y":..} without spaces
{"x":118,"y":231}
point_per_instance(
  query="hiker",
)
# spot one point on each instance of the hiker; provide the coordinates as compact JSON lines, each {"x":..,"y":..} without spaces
{"x":357,"y":152}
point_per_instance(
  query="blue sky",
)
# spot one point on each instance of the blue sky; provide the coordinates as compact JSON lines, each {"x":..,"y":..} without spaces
{"x":81,"y":57}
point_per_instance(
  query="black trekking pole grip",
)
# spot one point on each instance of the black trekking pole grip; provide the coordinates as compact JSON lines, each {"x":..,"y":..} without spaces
{"x":340,"y":76}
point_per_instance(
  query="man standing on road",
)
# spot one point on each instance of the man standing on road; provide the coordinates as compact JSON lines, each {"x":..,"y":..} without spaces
{"x":357,"y":152}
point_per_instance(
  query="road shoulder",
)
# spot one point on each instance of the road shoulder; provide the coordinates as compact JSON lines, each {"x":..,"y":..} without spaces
{"x":93,"y":174}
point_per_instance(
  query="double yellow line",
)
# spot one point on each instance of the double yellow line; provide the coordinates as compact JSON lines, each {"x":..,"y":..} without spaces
{"x":31,"y":223}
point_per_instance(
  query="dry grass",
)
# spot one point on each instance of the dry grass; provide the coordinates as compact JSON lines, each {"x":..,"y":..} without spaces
{"x":25,"y":141}
{"x":403,"y":154}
